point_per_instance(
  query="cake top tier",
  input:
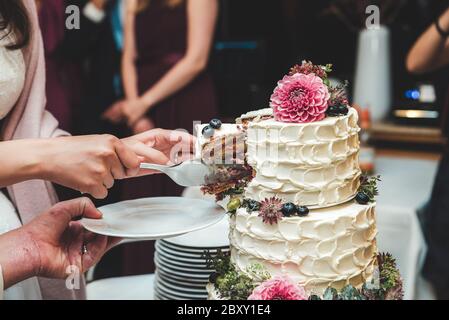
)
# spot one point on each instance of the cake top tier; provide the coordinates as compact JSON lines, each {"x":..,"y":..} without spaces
{"x":328,"y":129}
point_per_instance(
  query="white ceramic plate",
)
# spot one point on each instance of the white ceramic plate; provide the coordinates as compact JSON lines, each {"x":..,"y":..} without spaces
{"x":164,"y":274}
{"x":181,"y":283}
{"x":155,"y":218}
{"x":182,"y":275}
{"x":183,"y":290}
{"x":178,"y":295}
{"x":186,"y":255}
{"x":181,"y":261}
{"x":192,"y":250}
{"x":212,"y":237}
{"x":176,"y":264}
{"x":179,"y":254}
{"x":186,"y":270}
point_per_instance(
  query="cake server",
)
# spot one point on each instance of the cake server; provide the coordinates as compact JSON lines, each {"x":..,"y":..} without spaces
{"x":190,"y":173}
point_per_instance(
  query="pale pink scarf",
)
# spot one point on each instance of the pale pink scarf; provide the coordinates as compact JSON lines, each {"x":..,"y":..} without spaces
{"x":29,"y":120}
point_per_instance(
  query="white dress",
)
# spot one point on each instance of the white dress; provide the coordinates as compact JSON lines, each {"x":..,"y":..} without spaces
{"x":12,"y":79}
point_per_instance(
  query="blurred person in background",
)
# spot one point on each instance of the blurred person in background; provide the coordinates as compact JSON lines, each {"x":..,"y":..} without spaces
{"x":167,"y":44}
{"x":83,"y":65}
{"x":83,"y":68}
{"x":431,"y":52}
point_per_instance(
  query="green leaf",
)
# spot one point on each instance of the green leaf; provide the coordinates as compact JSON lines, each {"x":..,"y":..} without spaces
{"x":350,"y":293}
{"x":330,"y":294}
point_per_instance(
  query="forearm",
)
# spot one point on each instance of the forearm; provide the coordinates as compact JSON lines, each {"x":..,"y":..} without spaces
{"x":184,"y":72}
{"x":17,"y":257}
{"x":22,"y":160}
{"x":430,"y":51}
{"x":129,"y":75}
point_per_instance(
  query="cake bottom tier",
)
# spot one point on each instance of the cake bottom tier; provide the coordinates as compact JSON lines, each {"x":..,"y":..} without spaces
{"x":330,"y":247}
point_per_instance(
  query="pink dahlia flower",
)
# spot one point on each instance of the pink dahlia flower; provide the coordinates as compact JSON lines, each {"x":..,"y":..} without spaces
{"x":278,"y":288}
{"x":300,"y":98}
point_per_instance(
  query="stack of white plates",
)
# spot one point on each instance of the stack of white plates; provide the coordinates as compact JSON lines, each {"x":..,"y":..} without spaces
{"x":181,"y":268}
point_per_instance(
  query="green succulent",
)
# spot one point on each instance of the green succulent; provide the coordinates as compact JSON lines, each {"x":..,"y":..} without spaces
{"x":369,"y":186}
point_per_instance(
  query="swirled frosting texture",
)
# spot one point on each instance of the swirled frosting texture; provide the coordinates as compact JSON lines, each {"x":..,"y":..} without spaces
{"x":330,"y":247}
{"x":313,"y":164}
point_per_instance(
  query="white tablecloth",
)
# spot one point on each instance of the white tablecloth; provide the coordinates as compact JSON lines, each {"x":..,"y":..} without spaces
{"x":122,"y":288}
{"x":406,"y":185}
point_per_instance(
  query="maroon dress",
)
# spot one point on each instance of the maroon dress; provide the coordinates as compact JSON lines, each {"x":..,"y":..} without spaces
{"x":63,"y":78}
{"x":161,"y":41}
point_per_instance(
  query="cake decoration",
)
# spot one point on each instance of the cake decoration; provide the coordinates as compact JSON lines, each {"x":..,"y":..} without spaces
{"x":300,"y":98}
{"x":278,"y":288}
{"x":215,"y":123}
{"x":368,"y":189}
{"x":306,"y":95}
{"x":271,"y":210}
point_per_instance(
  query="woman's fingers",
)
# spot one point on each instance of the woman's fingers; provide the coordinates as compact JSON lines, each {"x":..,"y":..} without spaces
{"x":151,"y":155}
{"x":108,"y":181}
{"x":129,"y":158}
{"x":98,"y":191}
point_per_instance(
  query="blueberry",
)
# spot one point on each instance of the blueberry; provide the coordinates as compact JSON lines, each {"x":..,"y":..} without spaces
{"x":303,"y":211}
{"x":215,"y":123}
{"x":342,"y":109}
{"x":253,"y":205}
{"x":332,"y":111}
{"x":362,"y":198}
{"x":289,"y":209}
{"x":213,"y":277}
{"x":208,"y":131}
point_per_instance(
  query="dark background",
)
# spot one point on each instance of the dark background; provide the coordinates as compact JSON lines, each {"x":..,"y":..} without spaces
{"x":287,"y":31}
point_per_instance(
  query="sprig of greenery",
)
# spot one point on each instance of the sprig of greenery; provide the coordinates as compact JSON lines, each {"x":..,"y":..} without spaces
{"x":369,"y":186}
{"x":231,"y":283}
{"x":390,"y":278}
{"x":221,"y":262}
{"x":328,"y":68}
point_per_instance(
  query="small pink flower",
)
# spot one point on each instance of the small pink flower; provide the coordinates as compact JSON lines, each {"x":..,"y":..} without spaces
{"x":270,"y":210}
{"x":278,"y":288}
{"x":300,"y":98}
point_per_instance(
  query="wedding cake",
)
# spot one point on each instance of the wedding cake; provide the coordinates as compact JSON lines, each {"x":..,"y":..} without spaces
{"x":302,"y":214}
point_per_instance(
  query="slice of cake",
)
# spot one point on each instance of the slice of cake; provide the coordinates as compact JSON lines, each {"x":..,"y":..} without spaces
{"x":223,"y":148}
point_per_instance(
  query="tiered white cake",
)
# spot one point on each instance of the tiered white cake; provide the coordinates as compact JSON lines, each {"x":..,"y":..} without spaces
{"x":294,"y":212}
{"x":314,"y":164}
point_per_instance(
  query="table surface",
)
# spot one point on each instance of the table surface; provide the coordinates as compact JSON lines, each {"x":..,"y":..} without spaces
{"x":406,"y":185}
{"x":406,"y":182}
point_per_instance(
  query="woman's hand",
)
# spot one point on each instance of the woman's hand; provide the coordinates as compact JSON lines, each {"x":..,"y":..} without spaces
{"x":52,"y":244}
{"x":114,"y":113}
{"x":143,"y":125}
{"x":133,"y":110}
{"x":159,"y":146}
{"x":89,"y":164}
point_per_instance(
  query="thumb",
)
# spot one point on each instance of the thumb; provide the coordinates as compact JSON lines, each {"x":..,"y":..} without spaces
{"x":63,"y":213}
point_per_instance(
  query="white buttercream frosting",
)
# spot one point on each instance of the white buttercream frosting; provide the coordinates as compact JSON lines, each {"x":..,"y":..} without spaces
{"x":330,"y":247}
{"x":312,"y":164}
